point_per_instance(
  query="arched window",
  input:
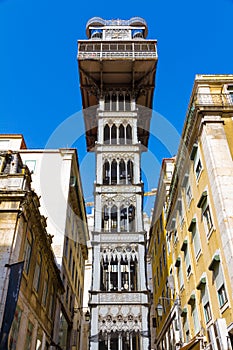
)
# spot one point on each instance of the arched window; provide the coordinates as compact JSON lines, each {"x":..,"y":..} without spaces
{"x":105,"y":218}
{"x":107,"y":103}
{"x":106,"y":134}
{"x":114,"y":99}
{"x":114,"y":172}
{"x":131,"y":211}
{"x":122,"y":134}
{"x":127,"y":103}
{"x":121,"y":102}
{"x":128,"y":134}
{"x":114,"y":218}
{"x":122,"y":172}
{"x":106,"y":173}
{"x":123,"y":219}
{"x":130,"y":171}
{"x":114,"y":135}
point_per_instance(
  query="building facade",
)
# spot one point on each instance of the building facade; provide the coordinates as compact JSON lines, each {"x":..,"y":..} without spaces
{"x":56,"y":179}
{"x":165,"y":330}
{"x":24,"y":239}
{"x":117,"y":66}
{"x":199,"y":217}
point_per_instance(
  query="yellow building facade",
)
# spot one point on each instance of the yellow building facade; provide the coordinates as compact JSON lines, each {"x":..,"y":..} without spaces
{"x":163,"y":328}
{"x":200,"y":217}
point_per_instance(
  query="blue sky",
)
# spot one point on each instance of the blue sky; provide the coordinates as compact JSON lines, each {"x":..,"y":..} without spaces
{"x":39,"y":86}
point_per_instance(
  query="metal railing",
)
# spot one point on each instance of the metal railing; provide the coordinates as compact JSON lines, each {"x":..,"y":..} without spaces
{"x":215,"y":100}
{"x":116,"y":54}
{"x":116,"y":22}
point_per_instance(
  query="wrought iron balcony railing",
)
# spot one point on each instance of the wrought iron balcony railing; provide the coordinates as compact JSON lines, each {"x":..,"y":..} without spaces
{"x":88,"y":50}
{"x":215,"y":100}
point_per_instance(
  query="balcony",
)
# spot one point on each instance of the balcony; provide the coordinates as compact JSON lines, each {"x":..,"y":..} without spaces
{"x":121,"y":298}
{"x":212,"y":100}
{"x":115,"y":50}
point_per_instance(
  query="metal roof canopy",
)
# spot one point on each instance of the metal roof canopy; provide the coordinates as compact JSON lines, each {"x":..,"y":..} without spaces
{"x":134,"y":73}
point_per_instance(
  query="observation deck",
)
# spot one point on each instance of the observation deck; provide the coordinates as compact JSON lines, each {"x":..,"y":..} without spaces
{"x":116,"y":58}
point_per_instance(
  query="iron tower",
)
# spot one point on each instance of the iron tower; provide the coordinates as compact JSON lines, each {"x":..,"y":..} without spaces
{"x":117,"y":67}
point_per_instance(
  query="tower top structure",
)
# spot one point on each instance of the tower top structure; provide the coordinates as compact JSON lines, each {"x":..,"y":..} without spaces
{"x":135,"y":27}
{"x":116,"y":60}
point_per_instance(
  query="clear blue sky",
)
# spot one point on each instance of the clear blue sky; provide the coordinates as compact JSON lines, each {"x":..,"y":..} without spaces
{"x":39,"y":85}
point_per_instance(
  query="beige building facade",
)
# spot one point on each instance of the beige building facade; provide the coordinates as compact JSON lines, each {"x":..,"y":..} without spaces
{"x":56,"y":179}
{"x":24,"y":238}
{"x":200,"y":216}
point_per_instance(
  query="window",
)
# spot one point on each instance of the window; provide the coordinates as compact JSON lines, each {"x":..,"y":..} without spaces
{"x":188,"y":194}
{"x":205,"y":302}
{"x":28,"y":340}
{"x":218,"y":276}
{"x":37,"y":272}
{"x":51,"y":304}
{"x":230,"y":92}
{"x":222,"y":296}
{"x":187,"y":261}
{"x":206,"y":213}
{"x":186,"y":256}
{"x":207,"y":312}
{"x":180,"y":211}
{"x":31,"y":164}
{"x":45,"y":289}
{"x":180,"y":276}
{"x":15,"y":329}
{"x":208,"y":219}
{"x":28,"y":251}
{"x":164,"y":256}
{"x":197,"y":165}
{"x":66,"y":246}
{"x":198,"y":168}
{"x":195,"y":237}
{"x":195,"y":318}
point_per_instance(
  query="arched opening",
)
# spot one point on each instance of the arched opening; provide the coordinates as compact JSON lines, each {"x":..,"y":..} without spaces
{"x":123,"y":219}
{"x":106,"y":134}
{"x":106,"y":173}
{"x":114,"y":100}
{"x":131,"y":218}
{"x":128,"y":134}
{"x":130,"y":171}
{"x":122,"y":171}
{"x":127,"y":102}
{"x":121,"y":102}
{"x":122,"y":134}
{"x":107,"y":103}
{"x":114,"y":218}
{"x":114,"y":135}
{"x":114,"y":172}
{"x":105,"y":218}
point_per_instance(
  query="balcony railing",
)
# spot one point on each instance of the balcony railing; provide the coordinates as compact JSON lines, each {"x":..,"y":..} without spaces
{"x":121,"y":298}
{"x":215,"y":100}
{"x":117,"y":50}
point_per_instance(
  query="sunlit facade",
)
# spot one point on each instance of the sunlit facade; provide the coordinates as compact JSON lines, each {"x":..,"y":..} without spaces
{"x":117,"y":66}
{"x":199,"y":216}
{"x":24,"y":238}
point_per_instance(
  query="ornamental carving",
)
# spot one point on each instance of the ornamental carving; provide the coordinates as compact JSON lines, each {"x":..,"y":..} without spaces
{"x":120,"y":298}
{"x":118,"y":199}
{"x":118,"y":156}
{"x":119,"y":319}
{"x":119,"y":252}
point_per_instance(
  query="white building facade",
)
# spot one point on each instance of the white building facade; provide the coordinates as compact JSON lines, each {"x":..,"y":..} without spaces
{"x":117,"y":68}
